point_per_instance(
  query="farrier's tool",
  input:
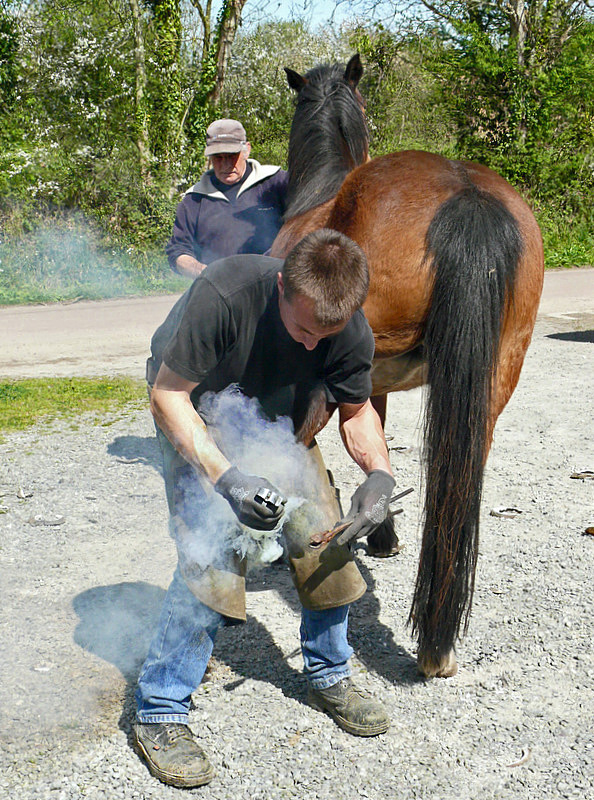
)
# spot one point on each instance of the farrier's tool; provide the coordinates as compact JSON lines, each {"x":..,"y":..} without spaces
{"x":399,"y":496}
{"x":318,"y":539}
{"x":272,"y":500}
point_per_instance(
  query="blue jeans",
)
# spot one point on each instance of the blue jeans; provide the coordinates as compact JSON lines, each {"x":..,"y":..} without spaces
{"x":187,"y":628}
{"x":179,"y":653}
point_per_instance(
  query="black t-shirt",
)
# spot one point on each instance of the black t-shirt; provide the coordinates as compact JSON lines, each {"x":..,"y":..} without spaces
{"x":226,"y":329}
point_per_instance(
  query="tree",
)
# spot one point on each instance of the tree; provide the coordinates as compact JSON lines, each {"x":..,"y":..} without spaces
{"x":256,"y":89}
{"x":398,"y":90}
{"x":516,"y":77}
{"x":140,"y":104}
{"x":502,"y":47}
{"x":112,"y":95}
{"x":166,"y":90}
{"x":183,"y":71}
{"x":9,"y":45}
{"x":208,"y":67}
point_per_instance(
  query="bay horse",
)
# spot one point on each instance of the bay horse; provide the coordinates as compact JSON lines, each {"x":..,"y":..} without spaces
{"x":456,"y":271}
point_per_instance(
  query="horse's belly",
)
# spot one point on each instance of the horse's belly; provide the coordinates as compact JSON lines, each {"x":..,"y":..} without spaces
{"x":399,"y":373}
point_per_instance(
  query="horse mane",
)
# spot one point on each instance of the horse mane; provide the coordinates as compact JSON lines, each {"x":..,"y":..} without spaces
{"x":328,"y":139}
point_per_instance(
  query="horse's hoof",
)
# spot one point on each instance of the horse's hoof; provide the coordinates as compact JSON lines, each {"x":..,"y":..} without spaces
{"x":383,"y":542}
{"x":445,"y":667}
{"x":393,"y":551}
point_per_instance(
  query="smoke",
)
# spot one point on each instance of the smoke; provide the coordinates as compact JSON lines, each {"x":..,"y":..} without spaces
{"x":68,"y":258}
{"x":257,"y":446}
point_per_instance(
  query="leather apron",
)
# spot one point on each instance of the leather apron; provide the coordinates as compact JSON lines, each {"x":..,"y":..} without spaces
{"x":324,"y":578}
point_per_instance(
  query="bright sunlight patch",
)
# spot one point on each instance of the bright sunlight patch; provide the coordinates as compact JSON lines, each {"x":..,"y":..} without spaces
{"x":24,"y":402}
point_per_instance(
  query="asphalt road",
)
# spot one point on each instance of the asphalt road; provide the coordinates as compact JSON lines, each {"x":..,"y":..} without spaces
{"x":112,"y":336}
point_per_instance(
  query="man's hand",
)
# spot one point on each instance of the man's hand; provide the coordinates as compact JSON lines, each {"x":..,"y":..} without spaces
{"x":369,"y":506}
{"x":189,"y":266}
{"x":257,"y":509}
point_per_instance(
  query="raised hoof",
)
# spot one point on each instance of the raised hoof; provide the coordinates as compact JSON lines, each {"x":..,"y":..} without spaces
{"x":383,"y":542}
{"x":445,"y":667}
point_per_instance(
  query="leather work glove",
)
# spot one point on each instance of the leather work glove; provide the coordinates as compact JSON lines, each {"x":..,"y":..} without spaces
{"x":255,"y":502}
{"x":369,"y":506}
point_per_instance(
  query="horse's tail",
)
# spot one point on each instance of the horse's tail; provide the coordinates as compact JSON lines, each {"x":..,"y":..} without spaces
{"x":475,"y":246}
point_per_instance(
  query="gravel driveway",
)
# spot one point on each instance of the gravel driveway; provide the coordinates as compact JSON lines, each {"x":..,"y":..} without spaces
{"x":80,"y":599}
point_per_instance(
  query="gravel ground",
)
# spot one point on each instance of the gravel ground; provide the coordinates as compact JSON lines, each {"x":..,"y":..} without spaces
{"x":80,"y":600}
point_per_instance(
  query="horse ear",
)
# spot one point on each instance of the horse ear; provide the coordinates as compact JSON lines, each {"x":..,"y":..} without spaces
{"x":295,"y":80}
{"x":354,"y":71}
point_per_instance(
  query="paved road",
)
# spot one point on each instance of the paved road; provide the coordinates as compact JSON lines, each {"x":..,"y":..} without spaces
{"x":112,"y":336}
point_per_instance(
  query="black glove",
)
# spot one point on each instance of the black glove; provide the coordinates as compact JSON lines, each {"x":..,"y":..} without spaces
{"x":369,"y":506}
{"x":255,"y":502}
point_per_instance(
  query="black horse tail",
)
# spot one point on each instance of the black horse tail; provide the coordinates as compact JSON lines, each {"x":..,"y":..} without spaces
{"x":475,"y":246}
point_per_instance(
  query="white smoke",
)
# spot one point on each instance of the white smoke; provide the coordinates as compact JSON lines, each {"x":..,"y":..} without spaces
{"x":257,"y":446}
{"x":68,"y":257}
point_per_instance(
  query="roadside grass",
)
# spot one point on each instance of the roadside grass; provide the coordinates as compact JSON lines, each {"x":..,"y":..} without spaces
{"x":566,"y":244}
{"x":24,"y":403}
{"x":64,"y":259}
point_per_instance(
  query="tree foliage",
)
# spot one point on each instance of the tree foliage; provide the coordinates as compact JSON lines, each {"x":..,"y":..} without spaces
{"x":256,"y":89}
{"x":516,"y":78}
{"x":113,"y":101}
{"x":9,"y":44}
{"x":400,"y":93}
{"x":104,"y":103}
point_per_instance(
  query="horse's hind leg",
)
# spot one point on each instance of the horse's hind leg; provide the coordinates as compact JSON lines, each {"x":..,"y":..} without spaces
{"x":380,"y":403}
{"x":510,"y":364}
{"x":447,"y":668}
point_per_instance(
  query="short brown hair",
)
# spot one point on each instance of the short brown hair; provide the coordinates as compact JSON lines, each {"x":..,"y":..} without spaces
{"x":331,"y":270}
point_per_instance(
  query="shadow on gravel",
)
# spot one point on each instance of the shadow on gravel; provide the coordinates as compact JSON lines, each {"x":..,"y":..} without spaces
{"x":251,"y":652}
{"x":371,"y":639}
{"x":573,"y":336}
{"x":374,"y":642}
{"x":117,"y":623}
{"x":142,"y":449}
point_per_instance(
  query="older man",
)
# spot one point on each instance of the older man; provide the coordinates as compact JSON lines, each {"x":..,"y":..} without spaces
{"x":266,"y":327}
{"x":236,"y":207}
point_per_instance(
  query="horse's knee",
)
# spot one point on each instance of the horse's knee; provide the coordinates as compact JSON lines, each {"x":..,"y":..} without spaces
{"x":311,"y":411}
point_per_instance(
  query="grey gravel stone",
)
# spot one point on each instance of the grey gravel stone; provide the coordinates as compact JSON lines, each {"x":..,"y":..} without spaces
{"x":80,"y":600}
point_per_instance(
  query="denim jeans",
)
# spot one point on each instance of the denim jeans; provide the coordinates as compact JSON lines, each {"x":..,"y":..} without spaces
{"x":187,"y":628}
{"x":180,"y":650}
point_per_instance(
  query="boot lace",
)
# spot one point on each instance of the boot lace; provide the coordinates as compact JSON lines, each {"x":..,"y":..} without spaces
{"x":172,"y":731}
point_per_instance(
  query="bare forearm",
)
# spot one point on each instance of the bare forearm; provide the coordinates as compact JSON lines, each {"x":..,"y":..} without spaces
{"x":189,"y":266}
{"x":185,"y":429}
{"x":364,"y":439}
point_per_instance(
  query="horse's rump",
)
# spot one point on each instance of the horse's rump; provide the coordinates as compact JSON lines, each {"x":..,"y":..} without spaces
{"x":387,"y":205}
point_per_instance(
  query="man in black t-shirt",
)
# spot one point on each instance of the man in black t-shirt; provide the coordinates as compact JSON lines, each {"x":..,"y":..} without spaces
{"x":273,"y":329}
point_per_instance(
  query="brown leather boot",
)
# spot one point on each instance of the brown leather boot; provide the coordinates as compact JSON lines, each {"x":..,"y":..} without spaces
{"x":350,"y":708}
{"x":172,"y":754}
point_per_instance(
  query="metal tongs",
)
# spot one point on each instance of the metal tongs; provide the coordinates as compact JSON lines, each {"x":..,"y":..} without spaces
{"x":318,"y":539}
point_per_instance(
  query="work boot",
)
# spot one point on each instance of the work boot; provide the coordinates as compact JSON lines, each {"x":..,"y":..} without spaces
{"x":172,"y":754}
{"x":350,"y":708}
